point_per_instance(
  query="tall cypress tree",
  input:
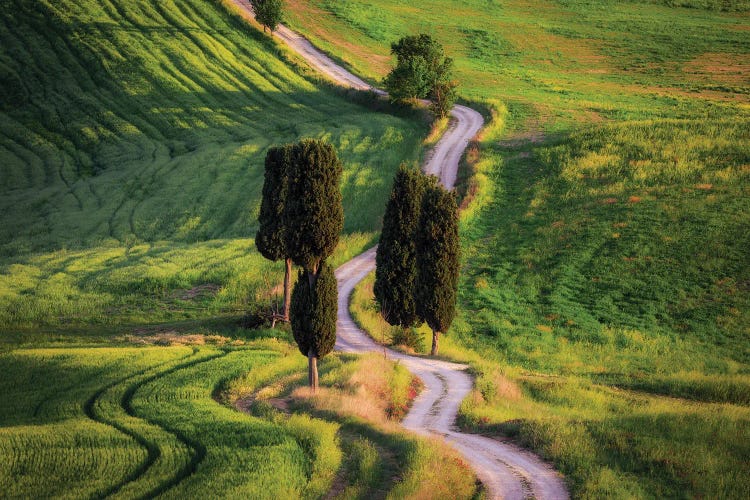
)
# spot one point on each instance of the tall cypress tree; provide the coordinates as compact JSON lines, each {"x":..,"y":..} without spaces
{"x":314,"y":311}
{"x":315,"y":215}
{"x":314,"y":204}
{"x":438,"y":260}
{"x":270,"y":240}
{"x":396,"y":258}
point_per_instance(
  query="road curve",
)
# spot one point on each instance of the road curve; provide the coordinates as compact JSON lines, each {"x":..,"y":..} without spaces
{"x":506,"y":471}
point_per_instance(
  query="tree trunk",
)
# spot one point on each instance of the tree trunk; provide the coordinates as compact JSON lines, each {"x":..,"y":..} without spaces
{"x":312,"y":275}
{"x":287,"y":289}
{"x":312,"y":370}
{"x":435,"y":340}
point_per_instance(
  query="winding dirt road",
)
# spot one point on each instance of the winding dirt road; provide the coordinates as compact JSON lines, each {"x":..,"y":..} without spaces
{"x":506,"y":470}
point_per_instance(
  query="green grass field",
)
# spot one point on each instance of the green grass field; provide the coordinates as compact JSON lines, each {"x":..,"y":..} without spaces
{"x":604,"y":297}
{"x":127,"y":421}
{"x":132,"y":139}
{"x":140,"y":421}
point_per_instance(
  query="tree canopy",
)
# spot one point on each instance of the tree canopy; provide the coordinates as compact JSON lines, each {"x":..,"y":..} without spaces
{"x":314,"y":311}
{"x":268,"y":12}
{"x":438,"y":261}
{"x":271,"y":236}
{"x":314,"y":203}
{"x":396,"y":259}
{"x":422,"y":71}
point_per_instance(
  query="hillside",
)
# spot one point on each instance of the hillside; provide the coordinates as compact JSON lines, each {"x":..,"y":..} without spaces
{"x":131,"y":153}
{"x":131,"y":162}
{"x":606,"y":261}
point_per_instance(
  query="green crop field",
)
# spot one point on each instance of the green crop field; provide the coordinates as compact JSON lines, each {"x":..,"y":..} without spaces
{"x":134,"y":422}
{"x":606,"y":233}
{"x":122,"y":421}
{"x":605,"y":293}
{"x":132,"y":139}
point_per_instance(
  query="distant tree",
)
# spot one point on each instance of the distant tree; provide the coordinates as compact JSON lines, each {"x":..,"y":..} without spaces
{"x":314,"y":311}
{"x":314,"y":215}
{"x":443,"y":91}
{"x":270,"y":240}
{"x":268,"y":12}
{"x":438,"y":263}
{"x":422,"y":71}
{"x":396,"y":258}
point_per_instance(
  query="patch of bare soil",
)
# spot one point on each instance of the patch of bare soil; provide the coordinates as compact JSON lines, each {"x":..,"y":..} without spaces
{"x":198,"y":292}
{"x":728,"y":69}
{"x":171,"y":337}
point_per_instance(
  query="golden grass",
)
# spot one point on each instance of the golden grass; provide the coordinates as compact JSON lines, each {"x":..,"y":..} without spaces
{"x":363,"y":395}
{"x":432,"y":469}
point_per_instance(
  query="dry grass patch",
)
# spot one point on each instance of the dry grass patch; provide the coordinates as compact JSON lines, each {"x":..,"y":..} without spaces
{"x":174,"y":338}
{"x":721,"y":68}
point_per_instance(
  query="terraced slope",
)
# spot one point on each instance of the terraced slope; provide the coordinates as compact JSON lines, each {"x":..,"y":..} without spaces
{"x":131,"y":132}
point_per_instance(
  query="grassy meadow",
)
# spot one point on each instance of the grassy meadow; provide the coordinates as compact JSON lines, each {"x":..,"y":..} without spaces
{"x":606,"y":229}
{"x":366,"y":396}
{"x":606,"y":226}
{"x":132,"y":140}
{"x":157,"y":419}
{"x":134,"y":422}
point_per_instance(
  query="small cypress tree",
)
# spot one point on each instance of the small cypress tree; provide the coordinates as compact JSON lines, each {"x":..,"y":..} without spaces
{"x":443,"y":91}
{"x":268,"y":12}
{"x":314,"y":311}
{"x":438,"y":260}
{"x":270,"y":240}
{"x":396,"y":258}
{"x":314,"y":215}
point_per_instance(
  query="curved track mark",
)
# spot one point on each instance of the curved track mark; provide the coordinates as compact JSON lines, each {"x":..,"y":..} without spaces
{"x":152,"y":448}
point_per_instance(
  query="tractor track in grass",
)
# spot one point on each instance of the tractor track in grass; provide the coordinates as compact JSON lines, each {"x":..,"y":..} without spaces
{"x":506,"y":470}
{"x":140,"y":379}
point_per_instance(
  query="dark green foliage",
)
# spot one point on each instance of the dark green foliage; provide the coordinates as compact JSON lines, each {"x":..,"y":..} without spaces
{"x":422,"y":71}
{"x":268,"y":12}
{"x":314,"y":208}
{"x":408,"y":337}
{"x":408,"y":80}
{"x":396,"y":271}
{"x":270,"y":238}
{"x":313,"y":312}
{"x":437,"y":247}
{"x":443,"y":93}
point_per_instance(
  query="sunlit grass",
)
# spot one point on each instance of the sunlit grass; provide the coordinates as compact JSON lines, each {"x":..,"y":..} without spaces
{"x":604,"y":298}
{"x":131,"y":159}
{"x":368,"y":396}
{"x":142,"y":421}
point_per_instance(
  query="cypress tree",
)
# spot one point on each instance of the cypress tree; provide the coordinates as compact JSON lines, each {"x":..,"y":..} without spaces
{"x":314,"y":215}
{"x":314,"y":311}
{"x":396,"y":258}
{"x":270,"y":240}
{"x":314,"y":207}
{"x":437,"y":261}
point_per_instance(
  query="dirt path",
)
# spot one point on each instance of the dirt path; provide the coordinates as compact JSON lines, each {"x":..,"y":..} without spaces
{"x":506,"y":470}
